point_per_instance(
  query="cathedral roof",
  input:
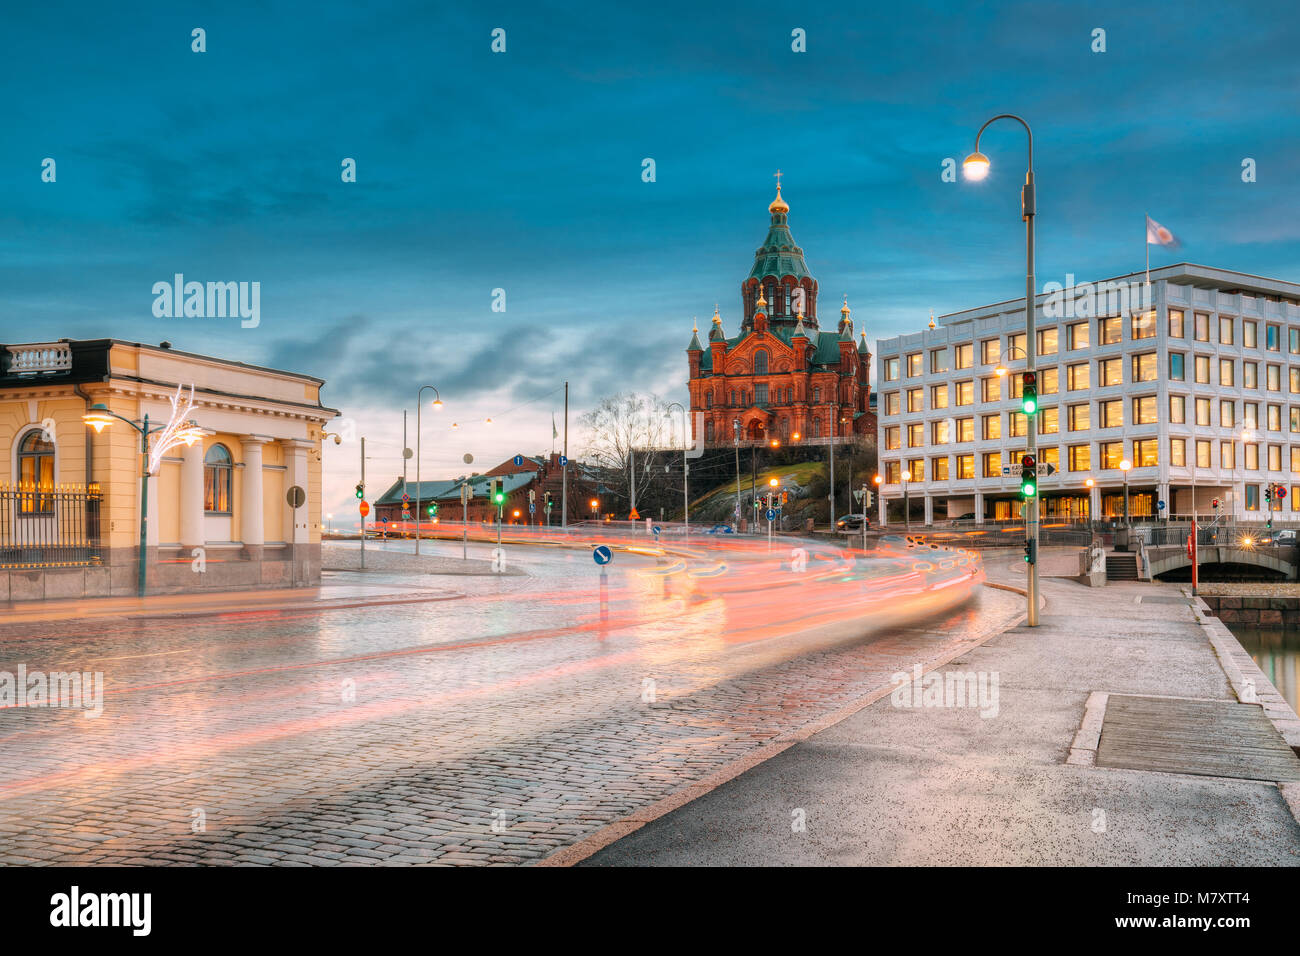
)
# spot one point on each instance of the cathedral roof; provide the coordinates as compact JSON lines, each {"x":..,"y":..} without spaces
{"x":779,"y":255}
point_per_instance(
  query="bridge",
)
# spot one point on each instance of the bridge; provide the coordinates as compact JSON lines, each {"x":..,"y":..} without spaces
{"x":1280,"y":558}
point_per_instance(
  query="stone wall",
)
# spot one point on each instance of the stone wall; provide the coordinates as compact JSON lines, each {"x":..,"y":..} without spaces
{"x":1257,"y":611}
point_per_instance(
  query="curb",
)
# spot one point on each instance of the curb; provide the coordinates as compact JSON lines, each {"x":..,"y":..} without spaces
{"x":613,"y":832}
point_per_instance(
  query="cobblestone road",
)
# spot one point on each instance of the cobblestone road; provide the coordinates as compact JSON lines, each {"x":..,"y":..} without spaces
{"x":489,"y":728}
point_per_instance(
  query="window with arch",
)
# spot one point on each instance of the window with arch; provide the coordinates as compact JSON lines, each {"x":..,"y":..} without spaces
{"x":36,"y":473}
{"x":733,"y":396}
{"x":708,"y":431}
{"x":760,"y":362}
{"x":218,"y":469}
{"x":817,"y":428}
{"x":817,"y":395}
{"x":709,"y":400}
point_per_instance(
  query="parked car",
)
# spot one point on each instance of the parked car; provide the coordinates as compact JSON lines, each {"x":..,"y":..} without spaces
{"x":852,"y":523}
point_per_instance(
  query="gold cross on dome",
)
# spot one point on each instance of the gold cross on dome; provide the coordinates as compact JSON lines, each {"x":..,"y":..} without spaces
{"x":778,"y":178}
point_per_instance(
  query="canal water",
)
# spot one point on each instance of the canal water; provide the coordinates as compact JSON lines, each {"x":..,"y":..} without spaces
{"x":1277,"y":652}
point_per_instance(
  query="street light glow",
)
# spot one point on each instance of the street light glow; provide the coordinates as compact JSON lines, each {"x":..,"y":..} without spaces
{"x":1125,"y":465}
{"x":975,"y":166}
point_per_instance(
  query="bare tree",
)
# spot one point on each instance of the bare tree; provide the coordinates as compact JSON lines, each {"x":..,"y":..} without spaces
{"x":623,"y":432}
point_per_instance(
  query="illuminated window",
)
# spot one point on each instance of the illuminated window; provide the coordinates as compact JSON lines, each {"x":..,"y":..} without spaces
{"x":36,"y":473}
{"x":1077,"y":377}
{"x":1143,"y":326}
{"x":1249,"y":335}
{"x":1111,"y":332}
{"x":1146,"y":452}
{"x":990,"y":351}
{"x":1079,"y":418}
{"x":965,"y":466}
{"x":991,"y":427}
{"x":1144,"y":410}
{"x":992,"y":389}
{"x":1047,"y":341}
{"x":1111,"y":454}
{"x":938,"y":469}
{"x":938,"y":396}
{"x":1225,"y":372}
{"x":1202,"y":326}
{"x":1176,"y":329}
{"x":1178,"y":452}
{"x":1110,"y":371}
{"x":965,"y":429}
{"x":218,"y":468}
{"x":1111,"y":413}
{"x":1177,"y":409}
{"x":965,"y":393}
{"x":1080,"y":457}
{"x":992,"y":464}
{"x":1144,"y":367}
{"x":1076,"y":336}
{"x":1203,"y":446}
{"x":965,"y":355}
{"x":1225,"y":330}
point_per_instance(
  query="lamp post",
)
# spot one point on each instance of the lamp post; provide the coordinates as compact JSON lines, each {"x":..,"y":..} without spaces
{"x":419,"y":407}
{"x":903,"y":478}
{"x":686,"y":467}
{"x":976,"y":167}
{"x":177,"y":431}
{"x":1089,"y":484}
{"x":877,"y":480}
{"x":735,"y":437}
{"x":1124,"y":466}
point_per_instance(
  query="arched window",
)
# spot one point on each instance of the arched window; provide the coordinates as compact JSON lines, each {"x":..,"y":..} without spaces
{"x":708,"y":431}
{"x":817,"y":428}
{"x":817,"y":395}
{"x":218,"y":468}
{"x":36,"y":473}
{"x":733,"y":397}
{"x":709,"y":400}
{"x":760,"y":362}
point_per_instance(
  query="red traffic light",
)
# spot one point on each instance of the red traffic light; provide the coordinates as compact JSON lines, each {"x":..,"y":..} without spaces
{"x":1030,"y":379}
{"x":1027,"y":461}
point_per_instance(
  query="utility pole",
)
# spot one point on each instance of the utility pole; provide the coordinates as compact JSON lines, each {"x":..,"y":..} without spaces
{"x":363,"y":492}
{"x":564,"y":472}
{"x":735,"y":438}
{"x":832,"y":494}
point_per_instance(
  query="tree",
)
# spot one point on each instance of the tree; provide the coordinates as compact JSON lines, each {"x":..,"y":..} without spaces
{"x":625,"y":431}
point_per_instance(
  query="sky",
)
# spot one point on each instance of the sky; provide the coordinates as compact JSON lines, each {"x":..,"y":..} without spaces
{"x":522,"y":171}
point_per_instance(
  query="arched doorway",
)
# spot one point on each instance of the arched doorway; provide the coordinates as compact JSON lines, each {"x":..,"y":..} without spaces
{"x":755,"y":430}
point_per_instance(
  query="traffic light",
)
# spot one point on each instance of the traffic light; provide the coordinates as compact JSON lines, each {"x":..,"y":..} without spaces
{"x":433,"y":509}
{"x":1215,"y":504}
{"x":1029,"y":393}
{"x":498,"y":495}
{"x":1031,"y":551}
{"x":1028,"y":477}
{"x":361,"y":490}
{"x":1268,"y":492}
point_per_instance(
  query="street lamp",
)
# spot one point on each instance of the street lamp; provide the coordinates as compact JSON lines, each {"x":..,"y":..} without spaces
{"x":419,"y":407}
{"x":1124,"y":466}
{"x":686,"y":467}
{"x":177,"y":431}
{"x":1001,"y":369}
{"x":735,"y":433}
{"x":595,"y":509}
{"x":904,"y":477}
{"x":976,"y":167}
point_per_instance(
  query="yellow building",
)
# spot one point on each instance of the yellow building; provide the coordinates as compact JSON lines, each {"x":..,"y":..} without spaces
{"x":219,"y":513}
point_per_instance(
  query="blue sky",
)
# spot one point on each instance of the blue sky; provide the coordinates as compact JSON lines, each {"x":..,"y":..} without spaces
{"x":522,"y":171}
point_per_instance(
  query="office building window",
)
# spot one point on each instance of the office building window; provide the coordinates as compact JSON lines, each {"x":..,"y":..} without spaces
{"x":1144,"y":367}
{"x":1227,"y":454}
{"x":939,"y":433}
{"x":1079,"y":418}
{"x":1080,"y":457}
{"x":990,"y":351}
{"x":1177,"y":409}
{"x":1111,"y":413}
{"x":938,"y":360}
{"x":1144,"y":410}
{"x":915,"y":400}
{"x":992,"y":464}
{"x":965,"y":355}
{"x":938,"y":396}
{"x":1049,"y":381}
{"x":1249,"y":375}
{"x":1143,"y":325}
{"x":891,"y":370}
{"x":938,"y":469}
{"x":1111,"y":454}
{"x":992,"y":389}
{"x":1177,"y":373}
{"x":1178,"y":452}
{"x":1110,"y":372}
{"x":965,"y":467}
{"x":1274,"y":378}
{"x":916,"y":435}
{"x":1203,"y":412}
{"x":1146,"y":452}
{"x":1176,"y":329}
{"x":1110,"y":331}
{"x":991,"y":427}
{"x":893,"y":437}
{"x":1049,"y":420}
{"x":1203,"y":453}
{"x":1225,"y":372}
{"x":1047,"y":341}
{"x":965,"y":393}
{"x":1076,"y":376}
{"x":1076,"y":336}
{"x":914,"y":365}
{"x":965,"y":429}
{"x":1201,"y":326}
{"x":1225,"y":330}
{"x":1227,"y":413}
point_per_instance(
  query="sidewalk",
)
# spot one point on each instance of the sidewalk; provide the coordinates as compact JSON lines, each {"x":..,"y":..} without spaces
{"x":943,"y":786}
{"x":328,"y":597}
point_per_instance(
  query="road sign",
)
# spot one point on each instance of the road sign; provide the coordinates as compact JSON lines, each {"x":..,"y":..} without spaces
{"x":406,"y":499}
{"x":532,"y":508}
{"x":1160,"y":506}
{"x":406,"y":516}
{"x":657,"y":530}
{"x":296,"y":497}
{"x":634,"y":516}
{"x":857,"y":494}
{"x":602,"y":555}
{"x":519,"y":460}
{"x":407,"y":453}
{"x":464,"y":494}
{"x":771,"y":514}
{"x":564,"y":462}
{"x":1046,"y":469}
{"x":365,"y":508}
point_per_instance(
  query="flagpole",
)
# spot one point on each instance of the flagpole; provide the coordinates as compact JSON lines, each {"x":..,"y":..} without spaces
{"x":1146,"y":231}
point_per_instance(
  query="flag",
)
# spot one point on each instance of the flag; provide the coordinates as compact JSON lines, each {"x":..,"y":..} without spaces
{"x":554,"y":434}
{"x":1159,"y":235}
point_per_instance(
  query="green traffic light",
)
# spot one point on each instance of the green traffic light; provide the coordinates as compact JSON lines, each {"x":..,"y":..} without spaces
{"x":1030,"y":406}
{"x":1028,"y":489}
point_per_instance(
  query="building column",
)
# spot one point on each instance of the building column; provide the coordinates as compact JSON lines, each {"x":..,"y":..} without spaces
{"x":1094,"y":503}
{"x":979,"y":508}
{"x":251,"y":530}
{"x":191,"y":504}
{"x":296,"y":525}
{"x":929,"y":511}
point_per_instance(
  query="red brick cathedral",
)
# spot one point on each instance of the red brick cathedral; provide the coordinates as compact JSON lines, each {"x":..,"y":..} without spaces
{"x":780,"y":376}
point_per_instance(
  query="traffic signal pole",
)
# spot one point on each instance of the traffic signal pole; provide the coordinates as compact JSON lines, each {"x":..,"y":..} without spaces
{"x":1028,"y":208}
{"x":363,"y":517}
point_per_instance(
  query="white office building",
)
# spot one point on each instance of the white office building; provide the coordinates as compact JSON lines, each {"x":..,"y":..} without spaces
{"x":1194,"y":381}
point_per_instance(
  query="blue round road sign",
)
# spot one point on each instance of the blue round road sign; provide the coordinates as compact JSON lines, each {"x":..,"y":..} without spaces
{"x":531,"y":508}
{"x":656,"y":529}
{"x":602,"y":554}
{"x":564,"y":462}
{"x":1160,"y":506}
{"x":771,"y":514}
{"x":519,"y":460}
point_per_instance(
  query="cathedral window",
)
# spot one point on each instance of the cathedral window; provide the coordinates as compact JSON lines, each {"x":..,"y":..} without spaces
{"x":708,"y":431}
{"x":817,"y":395}
{"x":760,"y":362}
{"x":817,"y":428}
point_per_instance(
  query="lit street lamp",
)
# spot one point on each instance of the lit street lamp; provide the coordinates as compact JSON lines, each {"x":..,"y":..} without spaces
{"x":1124,"y":466}
{"x":177,"y":431}
{"x":419,"y":407}
{"x":976,"y":167}
{"x":904,"y":477}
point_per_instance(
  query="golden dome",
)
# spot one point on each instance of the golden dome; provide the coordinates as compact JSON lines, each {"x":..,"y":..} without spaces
{"x":717,"y":319}
{"x":778,"y":204}
{"x":762,"y":299}
{"x":845,"y":310}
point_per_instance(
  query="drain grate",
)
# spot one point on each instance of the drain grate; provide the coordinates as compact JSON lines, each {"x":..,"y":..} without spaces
{"x":1219,"y":738}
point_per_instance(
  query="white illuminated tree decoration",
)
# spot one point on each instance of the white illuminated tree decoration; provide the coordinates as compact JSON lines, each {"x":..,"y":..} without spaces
{"x":179,"y":430}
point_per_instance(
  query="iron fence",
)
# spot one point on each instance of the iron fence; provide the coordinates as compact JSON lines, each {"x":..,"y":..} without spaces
{"x":49,"y":526}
